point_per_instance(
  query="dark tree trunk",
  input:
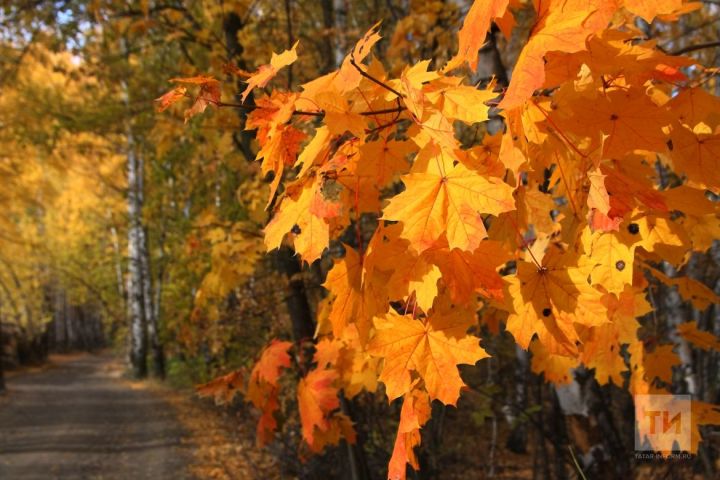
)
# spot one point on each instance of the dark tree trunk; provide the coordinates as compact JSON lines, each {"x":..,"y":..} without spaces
{"x":2,"y":358}
{"x":298,"y":306}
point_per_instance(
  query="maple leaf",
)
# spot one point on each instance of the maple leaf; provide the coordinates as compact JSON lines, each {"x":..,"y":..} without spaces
{"x":354,"y":301}
{"x":316,"y":152}
{"x":600,"y":220}
{"x":601,"y":352}
{"x":263,"y":386}
{"x":223,"y":389}
{"x":648,"y":10}
{"x":278,"y":150}
{"x":693,"y":106}
{"x":626,"y":183}
{"x":628,"y":118}
{"x":659,"y":363}
{"x":550,"y":297}
{"x":662,"y":237}
{"x":272,"y":361}
{"x":165,"y":101}
{"x":414,"y":275}
{"x":484,"y":158}
{"x":468,"y":273}
{"x":310,"y":233}
{"x":209,"y":93}
{"x":414,"y":414}
{"x":534,"y":208}
{"x":346,"y":353}
{"x":614,"y":54}
{"x":266,"y":72}
{"x":384,"y":160}
{"x":447,"y":200}
{"x":461,"y":102}
{"x":472,"y":34}
{"x":554,"y":367}
{"x":696,"y":153}
{"x":347,"y":77}
{"x":561,"y":25}
{"x":703,"y":413}
{"x":699,"y":338}
{"x":612,"y":259}
{"x":432,"y":348}
{"x":340,"y":427}
{"x":690,"y":289}
{"x":339,"y":114}
{"x":598,"y":197}
{"x":317,"y":397}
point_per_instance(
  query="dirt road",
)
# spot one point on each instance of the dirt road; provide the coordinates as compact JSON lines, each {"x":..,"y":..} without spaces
{"x":79,"y":420}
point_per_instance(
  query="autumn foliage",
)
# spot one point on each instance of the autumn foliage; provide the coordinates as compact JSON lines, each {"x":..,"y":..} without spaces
{"x":600,"y":164}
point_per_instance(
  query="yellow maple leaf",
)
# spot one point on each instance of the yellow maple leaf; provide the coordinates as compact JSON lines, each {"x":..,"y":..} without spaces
{"x":310,"y":234}
{"x":447,"y":200}
{"x":266,"y":72}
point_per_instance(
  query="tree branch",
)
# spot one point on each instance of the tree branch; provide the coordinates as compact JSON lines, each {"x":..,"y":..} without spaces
{"x":693,"y":48}
{"x":375,"y":80}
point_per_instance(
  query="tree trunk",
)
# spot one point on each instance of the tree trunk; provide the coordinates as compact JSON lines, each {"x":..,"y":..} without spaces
{"x":156,"y":347}
{"x":159,"y":353}
{"x":120,"y":284}
{"x":2,"y":354}
{"x":517,"y":440}
{"x":136,"y":310}
{"x":151,"y":320}
{"x":298,"y":306}
{"x":60,"y":330}
{"x":136,"y":314}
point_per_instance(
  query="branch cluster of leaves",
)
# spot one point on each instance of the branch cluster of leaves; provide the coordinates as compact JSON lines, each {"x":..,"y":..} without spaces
{"x":605,"y":167}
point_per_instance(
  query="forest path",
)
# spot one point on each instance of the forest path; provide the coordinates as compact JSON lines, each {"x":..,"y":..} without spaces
{"x":78,"y":419}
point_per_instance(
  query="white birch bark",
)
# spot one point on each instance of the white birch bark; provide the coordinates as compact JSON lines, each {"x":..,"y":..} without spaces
{"x":136,"y":314}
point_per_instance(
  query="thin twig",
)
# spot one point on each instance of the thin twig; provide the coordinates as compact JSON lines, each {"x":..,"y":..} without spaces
{"x":577,"y":465}
{"x":397,"y":109}
{"x":373,"y":79}
{"x":699,"y":46}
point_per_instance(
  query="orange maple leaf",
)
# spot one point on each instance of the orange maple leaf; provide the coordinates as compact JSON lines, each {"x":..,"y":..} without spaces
{"x":353,"y":300}
{"x":469,"y":273}
{"x":209,"y":93}
{"x":414,"y":414}
{"x":648,"y":10}
{"x":294,"y":217}
{"x":431,"y":349}
{"x":475,"y":27}
{"x":165,"y":101}
{"x":266,"y":72}
{"x":699,"y":338}
{"x":223,"y":389}
{"x":263,"y":386}
{"x":317,"y":398}
{"x":659,"y":363}
{"x":696,"y":153}
{"x":561,"y":25}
